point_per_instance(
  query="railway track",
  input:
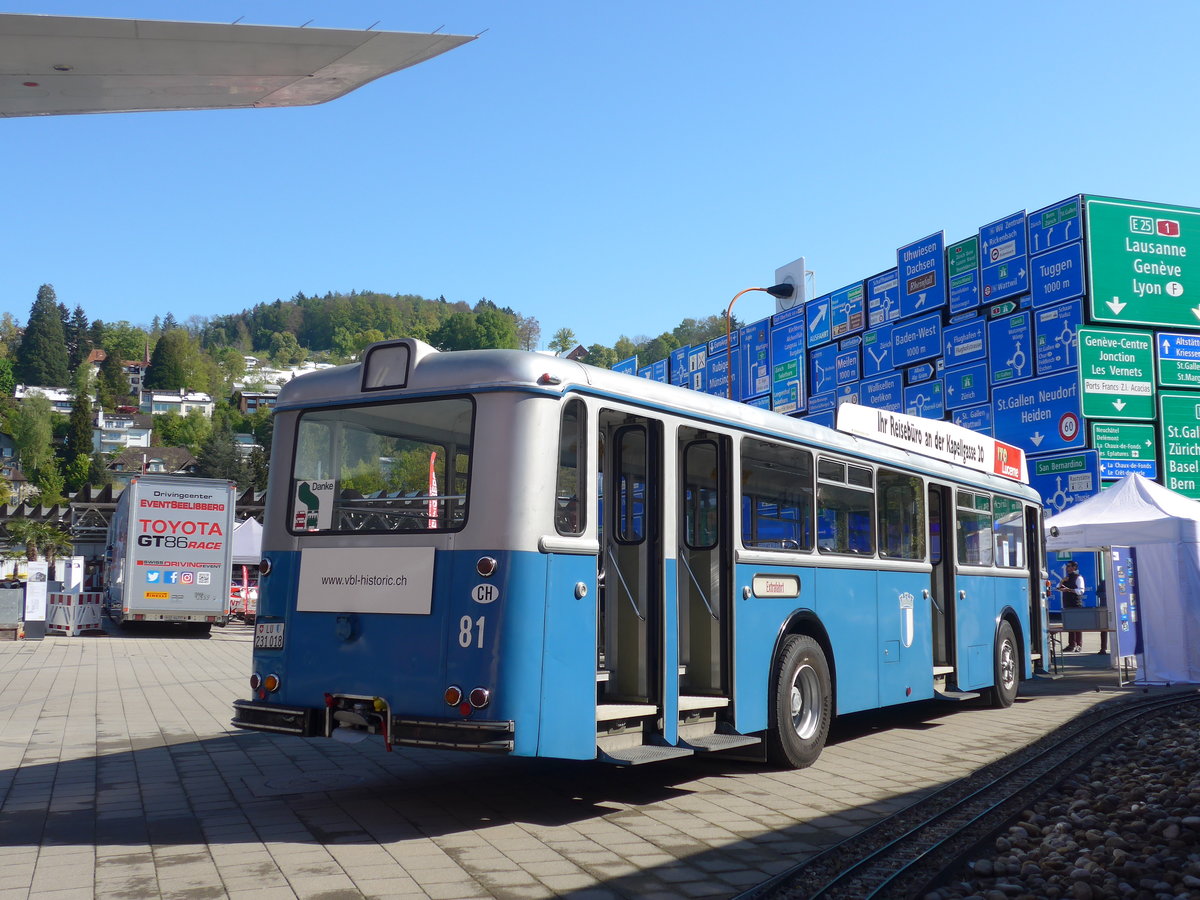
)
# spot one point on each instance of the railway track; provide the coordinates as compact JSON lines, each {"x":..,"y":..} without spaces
{"x":910,"y":852}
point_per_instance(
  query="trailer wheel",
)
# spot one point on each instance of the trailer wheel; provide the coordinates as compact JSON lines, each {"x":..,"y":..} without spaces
{"x":802,"y":703}
{"x":1007,"y":668}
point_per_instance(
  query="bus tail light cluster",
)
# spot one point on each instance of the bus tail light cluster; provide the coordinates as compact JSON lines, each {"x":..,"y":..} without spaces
{"x":262,"y":686}
{"x":478,"y":698}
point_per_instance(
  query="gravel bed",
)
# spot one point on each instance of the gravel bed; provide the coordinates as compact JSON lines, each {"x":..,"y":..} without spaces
{"x":1128,"y":826}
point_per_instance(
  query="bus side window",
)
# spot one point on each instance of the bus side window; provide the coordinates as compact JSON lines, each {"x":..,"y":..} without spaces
{"x":777,"y":497}
{"x":973,"y":521}
{"x":900,"y":501}
{"x":1009,"y":533}
{"x":569,"y":508}
{"x":845,"y":514}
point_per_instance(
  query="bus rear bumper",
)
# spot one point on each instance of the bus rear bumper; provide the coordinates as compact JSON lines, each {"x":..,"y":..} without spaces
{"x":278,"y":719}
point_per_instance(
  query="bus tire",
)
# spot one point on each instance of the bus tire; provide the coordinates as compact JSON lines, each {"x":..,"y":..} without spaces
{"x":1007,"y":668}
{"x":801,"y":703}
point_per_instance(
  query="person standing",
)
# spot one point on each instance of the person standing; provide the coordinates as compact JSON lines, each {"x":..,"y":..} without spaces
{"x":1072,"y":587}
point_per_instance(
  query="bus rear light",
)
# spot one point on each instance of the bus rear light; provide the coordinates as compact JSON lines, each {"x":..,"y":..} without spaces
{"x":464,"y":708}
{"x":547,"y":378}
{"x":330,"y":703}
{"x":453,"y":695}
{"x":255,"y":681}
{"x":271,"y":683}
{"x":486,"y":566}
{"x":480,"y":697}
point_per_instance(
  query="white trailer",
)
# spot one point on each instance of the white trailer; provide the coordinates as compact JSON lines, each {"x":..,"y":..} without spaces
{"x":169,"y":553}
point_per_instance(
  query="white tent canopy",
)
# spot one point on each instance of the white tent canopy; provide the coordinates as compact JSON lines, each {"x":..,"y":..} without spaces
{"x":247,"y":543}
{"x":1164,"y":528}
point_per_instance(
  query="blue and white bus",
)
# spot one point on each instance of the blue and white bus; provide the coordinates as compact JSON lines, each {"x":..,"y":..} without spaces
{"x":502,"y":551}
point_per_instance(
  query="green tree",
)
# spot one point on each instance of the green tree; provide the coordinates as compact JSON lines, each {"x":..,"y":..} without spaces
{"x":564,"y":341}
{"x":112,"y":385}
{"x":496,"y":329}
{"x":219,"y":458}
{"x":8,"y":383}
{"x":285,"y":349}
{"x":599,"y":355}
{"x":32,"y":425}
{"x":624,"y":348}
{"x":10,"y":335}
{"x":458,"y":332}
{"x":529,"y":332}
{"x":174,"y":430}
{"x":175,"y":362}
{"x":79,"y":431}
{"x":79,"y":343}
{"x":42,"y":355}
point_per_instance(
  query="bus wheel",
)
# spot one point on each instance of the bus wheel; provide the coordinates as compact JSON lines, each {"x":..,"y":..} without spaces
{"x":801,"y":703}
{"x":1004,"y":691}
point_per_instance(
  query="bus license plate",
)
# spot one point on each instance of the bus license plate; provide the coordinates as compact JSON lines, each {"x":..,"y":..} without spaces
{"x":268,"y":636}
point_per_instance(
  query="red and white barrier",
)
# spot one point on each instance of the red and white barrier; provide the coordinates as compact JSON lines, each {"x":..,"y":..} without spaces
{"x":74,"y":614}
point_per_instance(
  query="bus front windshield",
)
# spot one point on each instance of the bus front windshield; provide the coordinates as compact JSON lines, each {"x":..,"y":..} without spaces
{"x":383,"y":467}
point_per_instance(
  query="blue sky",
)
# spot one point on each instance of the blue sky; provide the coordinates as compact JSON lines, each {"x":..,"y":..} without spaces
{"x":607,"y":167}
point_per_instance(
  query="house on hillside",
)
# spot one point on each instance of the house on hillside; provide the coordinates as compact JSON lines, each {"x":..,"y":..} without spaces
{"x":114,"y":432}
{"x":183,"y":401}
{"x":151,"y":461}
{"x":61,"y":399}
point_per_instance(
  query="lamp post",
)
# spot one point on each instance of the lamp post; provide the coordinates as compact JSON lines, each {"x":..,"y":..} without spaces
{"x":779,"y":291}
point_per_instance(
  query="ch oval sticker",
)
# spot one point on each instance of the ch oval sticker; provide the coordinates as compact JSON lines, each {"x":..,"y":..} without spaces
{"x":485,"y":593}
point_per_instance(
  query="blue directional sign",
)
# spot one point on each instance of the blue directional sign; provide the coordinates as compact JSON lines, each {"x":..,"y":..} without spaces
{"x":883,"y":392}
{"x":1056,"y":336}
{"x":965,"y":343}
{"x":848,"y":310}
{"x":921,"y":267}
{"x":877,"y":351}
{"x":823,"y":369}
{"x":976,"y":418}
{"x":1011,"y":340}
{"x":967,"y":385}
{"x":697,"y":367}
{"x":789,"y":364}
{"x":1057,"y":275}
{"x":822,"y":409}
{"x":716,"y":376}
{"x":1004,"y":259}
{"x":752,"y":371}
{"x":656,"y":371}
{"x":962,"y":266}
{"x":1178,"y":358}
{"x":1040,"y":415}
{"x":628,"y":366}
{"x":820,"y":328}
{"x":925,"y":400}
{"x":1054,"y":225}
{"x":883,"y":298}
{"x":916,"y":340}
{"x":847,"y":393}
{"x":918,"y":373}
{"x":847,"y":366}
{"x":1064,"y":479}
{"x":677,"y":363}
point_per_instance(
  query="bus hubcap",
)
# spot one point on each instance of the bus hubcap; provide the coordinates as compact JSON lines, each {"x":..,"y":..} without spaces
{"x":806,"y":700}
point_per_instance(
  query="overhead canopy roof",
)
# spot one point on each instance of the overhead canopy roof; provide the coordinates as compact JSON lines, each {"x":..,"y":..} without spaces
{"x":57,"y":65}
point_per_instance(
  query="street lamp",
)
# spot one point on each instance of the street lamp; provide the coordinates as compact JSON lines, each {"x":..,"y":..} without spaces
{"x":779,"y":292}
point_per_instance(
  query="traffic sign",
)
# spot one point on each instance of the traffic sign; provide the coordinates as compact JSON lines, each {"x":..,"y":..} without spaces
{"x":847,"y":367}
{"x":962,"y":265}
{"x":916,"y":340}
{"x":1116,"y":370}
{"x":883,"y":298}
{"x":925,"y":400}
{"x":678,"y":366}
{"x":1180,"y":424}
{"x":823,"y":374}
{"x":1057,"y":275}
{"x":1056,"y":336}
{"x":1125,"y":448}
{"x":921,"y":267}
{"x":917,"y":374}
{"x":820,"y":330}
{"x":1065,"y":478}
{"x":847,"y":310}
{"x":976,"y":418}
{"x":884,"y":392}
{"x":966,"y":385}
{"x":628,"y":366}
{"x":1040,"y":415}
{"x":697,"y":367}
{"x":789,"y":365}
{"x":752,"y":369}
{"x":716,"y":376}
{"x":877,"y":351}
{"x":822,"y":409}
{"x":1143,"y":267}
{"x":1054,"y":225}
{"x":965,"y":343}
{"x":1178,"y":359}
{"x":1012,"y":346}
{"x":1004,"y":258}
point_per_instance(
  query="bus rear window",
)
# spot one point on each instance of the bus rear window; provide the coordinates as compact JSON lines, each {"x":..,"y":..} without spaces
{"x":383,"y":467}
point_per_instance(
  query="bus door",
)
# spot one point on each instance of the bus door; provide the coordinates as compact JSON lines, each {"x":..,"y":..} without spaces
{"x":942,"y":594}
{"x":1038,"y":607}
{"x":630,"y":687}
{"x":705,"y":561}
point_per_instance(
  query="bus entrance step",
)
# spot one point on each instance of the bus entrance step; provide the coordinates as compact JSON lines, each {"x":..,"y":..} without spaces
{"x":946,"y":694}
{"x":636,"y":756}
{"x":711,"y":743}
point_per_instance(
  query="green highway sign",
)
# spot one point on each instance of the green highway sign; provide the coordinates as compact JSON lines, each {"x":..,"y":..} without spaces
{"x":1144,"y":262}
{"x":1180,"y":423}
{"x":1125,"y":448}
{"x":963,"y":257}
{"x":1116,"y":373}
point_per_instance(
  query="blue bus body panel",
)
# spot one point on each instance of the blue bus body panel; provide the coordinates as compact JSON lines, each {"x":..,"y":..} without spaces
{"x":568,"y":726}
{"x":987,"y":598}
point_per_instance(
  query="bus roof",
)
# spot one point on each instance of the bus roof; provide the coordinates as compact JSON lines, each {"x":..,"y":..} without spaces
{"x":429,"y":371}
{"x":61,"y":65}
